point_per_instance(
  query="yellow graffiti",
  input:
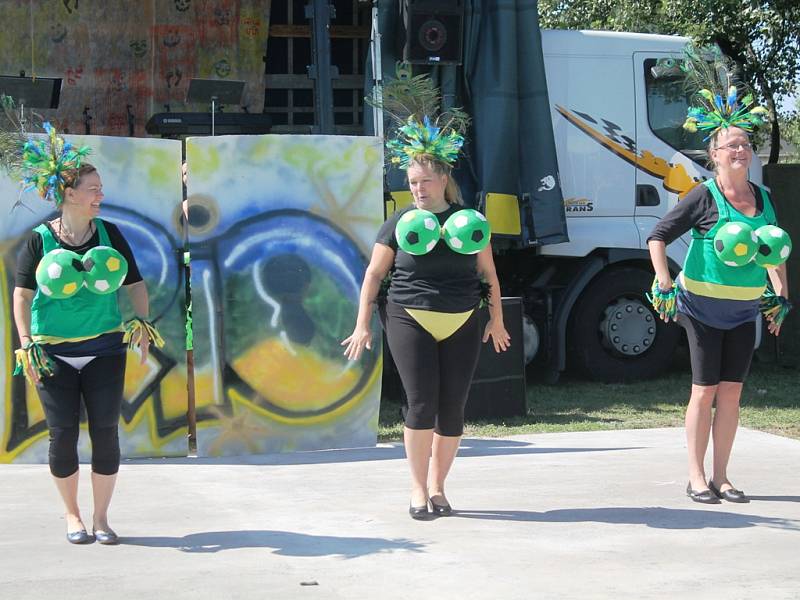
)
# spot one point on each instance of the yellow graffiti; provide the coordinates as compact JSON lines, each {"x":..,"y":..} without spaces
{"x":301,"y":382}
{"x":674,"y":176}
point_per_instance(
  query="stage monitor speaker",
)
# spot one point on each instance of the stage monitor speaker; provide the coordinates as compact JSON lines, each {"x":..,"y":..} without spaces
{"x":434,"y":32}
{"x":498,"y":387}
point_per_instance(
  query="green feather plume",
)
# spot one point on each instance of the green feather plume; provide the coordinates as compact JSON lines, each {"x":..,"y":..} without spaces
{"x":723,"y":100}
{"x":418,"y":127}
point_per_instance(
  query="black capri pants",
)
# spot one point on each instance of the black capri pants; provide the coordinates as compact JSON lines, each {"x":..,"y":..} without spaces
{"x":718,"y":354}
{"x":436,"y":376}
{"x":100,"y":383}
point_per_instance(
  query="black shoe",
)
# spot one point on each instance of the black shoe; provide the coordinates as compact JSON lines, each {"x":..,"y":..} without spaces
{"x":78,"y":537}
{"x":105,"y":537}
{"x":441,"y":510}
{"x":704,"y":497}
{"x":419,"y":513}
{"x":731,"y":495}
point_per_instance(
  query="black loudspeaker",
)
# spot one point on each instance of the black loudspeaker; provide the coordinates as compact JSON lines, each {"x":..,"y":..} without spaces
{"x":434,"y":31}
{"x":498,"y":387}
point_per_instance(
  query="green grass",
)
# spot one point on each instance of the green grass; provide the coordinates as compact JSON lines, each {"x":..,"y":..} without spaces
{"x":770,"y":402}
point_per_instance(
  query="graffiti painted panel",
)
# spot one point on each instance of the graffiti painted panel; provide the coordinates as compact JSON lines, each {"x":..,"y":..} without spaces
{"x":123,"y":61}
{"x":142,"y":185}
{"x":281,"y":228}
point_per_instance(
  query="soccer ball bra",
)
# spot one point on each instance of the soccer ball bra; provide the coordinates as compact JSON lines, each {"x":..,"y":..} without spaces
{"x":466,"y":232}
{"x":774,"y":246}
{"x":736,"y":244}
{"x":61,"y":273}
{"x":417,"y":231}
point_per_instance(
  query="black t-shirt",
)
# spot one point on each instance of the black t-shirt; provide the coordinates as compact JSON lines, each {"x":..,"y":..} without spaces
{"x":441,"y":280}
{"x":31,"y":253}
{"x":697,"y":210}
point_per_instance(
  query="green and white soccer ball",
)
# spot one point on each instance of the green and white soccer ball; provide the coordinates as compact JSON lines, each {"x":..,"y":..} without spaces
{"x":774,"y":246}
{"x":105,"y":269}
{"x":467,"y":231}
{"x":735,"y":244}
{"x":58,"y":274}
{"x":417,"y":231}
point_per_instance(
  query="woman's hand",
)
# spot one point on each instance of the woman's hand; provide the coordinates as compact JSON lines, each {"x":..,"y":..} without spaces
{"x":500,"y":338}
{"x":772,"y":327}
{"x":33,"y":375}
{"x":144,"y":345}
{"x":360,"y":338}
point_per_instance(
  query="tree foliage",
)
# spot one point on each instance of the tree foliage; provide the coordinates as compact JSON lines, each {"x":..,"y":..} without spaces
{"x":762,"y":36}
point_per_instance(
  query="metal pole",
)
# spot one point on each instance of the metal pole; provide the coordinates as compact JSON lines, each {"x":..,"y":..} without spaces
{"x":320,"y":12}
{"x":377,"y":71}
{"x":213,"y":112}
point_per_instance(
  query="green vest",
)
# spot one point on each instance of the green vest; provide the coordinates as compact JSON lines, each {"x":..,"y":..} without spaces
{"x":82,"y":316}
{"x":706,"y":275}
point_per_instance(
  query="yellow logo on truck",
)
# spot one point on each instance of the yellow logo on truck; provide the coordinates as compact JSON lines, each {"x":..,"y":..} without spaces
{"x":674,"y":176}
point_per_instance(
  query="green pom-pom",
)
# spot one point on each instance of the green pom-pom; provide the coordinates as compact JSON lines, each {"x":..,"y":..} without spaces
{"x":774,"y":246}
{"x":735,"y":244}
{"x":467,"y":231}
{"x":417,"y":231}
{"x":105,"y":268}
{"x":58,"y":274}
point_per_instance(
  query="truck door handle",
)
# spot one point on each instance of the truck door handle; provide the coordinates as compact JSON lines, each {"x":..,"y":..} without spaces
{"x":647,"y":195}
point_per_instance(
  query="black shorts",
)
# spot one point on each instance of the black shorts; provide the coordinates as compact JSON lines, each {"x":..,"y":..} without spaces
{"x":718,"y":354}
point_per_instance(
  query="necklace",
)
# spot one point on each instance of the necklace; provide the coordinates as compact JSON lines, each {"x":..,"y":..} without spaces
{"x":63,"y":232}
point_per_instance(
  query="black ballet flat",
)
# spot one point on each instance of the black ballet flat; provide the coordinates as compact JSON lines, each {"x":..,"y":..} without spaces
{"x":105,"y":537}
{"x":731,"y":495}
{"x":78,"y":537}
{"x":419,"y":513}
{"x":441,"y":510}
{"x":704,"y":497}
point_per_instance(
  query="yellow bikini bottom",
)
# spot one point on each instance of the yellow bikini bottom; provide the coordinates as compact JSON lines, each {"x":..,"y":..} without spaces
{"x":440,"y":325}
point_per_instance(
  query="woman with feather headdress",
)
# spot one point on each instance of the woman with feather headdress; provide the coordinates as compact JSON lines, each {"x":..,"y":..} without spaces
{"x":430,"y":315}
{"x":69,"y":325}
{"x":717,"y":300}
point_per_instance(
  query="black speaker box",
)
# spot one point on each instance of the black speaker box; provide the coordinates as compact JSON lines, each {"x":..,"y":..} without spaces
{"x":434,"y":32}
{"x":498,"y":387}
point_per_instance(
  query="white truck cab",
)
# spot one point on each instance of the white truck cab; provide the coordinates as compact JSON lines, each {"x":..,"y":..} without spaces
{"x":618,"y":103}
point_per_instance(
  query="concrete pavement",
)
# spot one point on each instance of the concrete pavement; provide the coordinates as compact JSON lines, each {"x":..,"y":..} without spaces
{"x":567,"y":515}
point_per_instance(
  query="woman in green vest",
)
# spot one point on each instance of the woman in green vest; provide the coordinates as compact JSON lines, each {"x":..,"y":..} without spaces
{"x":717,"y":303}
{"x":69,"y":325}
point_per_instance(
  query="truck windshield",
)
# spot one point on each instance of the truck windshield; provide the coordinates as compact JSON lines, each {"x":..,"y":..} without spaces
{"x":667,"y":103}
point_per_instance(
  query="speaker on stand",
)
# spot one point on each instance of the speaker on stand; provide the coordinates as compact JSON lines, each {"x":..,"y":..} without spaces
{"x":434,"y":32}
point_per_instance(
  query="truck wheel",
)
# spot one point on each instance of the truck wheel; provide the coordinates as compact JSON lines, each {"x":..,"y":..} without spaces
{"x":615,"y":335}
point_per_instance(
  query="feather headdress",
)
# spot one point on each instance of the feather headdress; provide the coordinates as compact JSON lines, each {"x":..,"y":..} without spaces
{"x":415,"y":139}
{"x":44,"y":162}
{"x":413,"y":104}
{"x":723,"y":100}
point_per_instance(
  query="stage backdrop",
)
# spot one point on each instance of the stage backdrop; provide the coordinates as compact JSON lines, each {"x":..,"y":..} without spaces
{"x":124,"y":59}
{"x":142,"y":185}
{"x":281,"y":228}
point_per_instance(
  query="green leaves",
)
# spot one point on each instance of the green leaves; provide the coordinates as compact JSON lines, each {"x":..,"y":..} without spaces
{"x":762,"y":36}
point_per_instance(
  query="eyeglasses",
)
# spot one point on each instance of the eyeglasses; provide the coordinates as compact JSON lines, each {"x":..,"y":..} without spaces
{"x":736,"y":147}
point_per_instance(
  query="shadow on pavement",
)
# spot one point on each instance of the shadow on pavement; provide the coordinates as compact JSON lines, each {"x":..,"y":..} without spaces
{"x":285,"y":543}
{"x":775,"y":498}
{"x":654,"y":516}
{"x":469,"y":448}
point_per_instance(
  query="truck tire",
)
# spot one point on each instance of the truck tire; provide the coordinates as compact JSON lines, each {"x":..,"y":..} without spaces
{"x":615,"y":335}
